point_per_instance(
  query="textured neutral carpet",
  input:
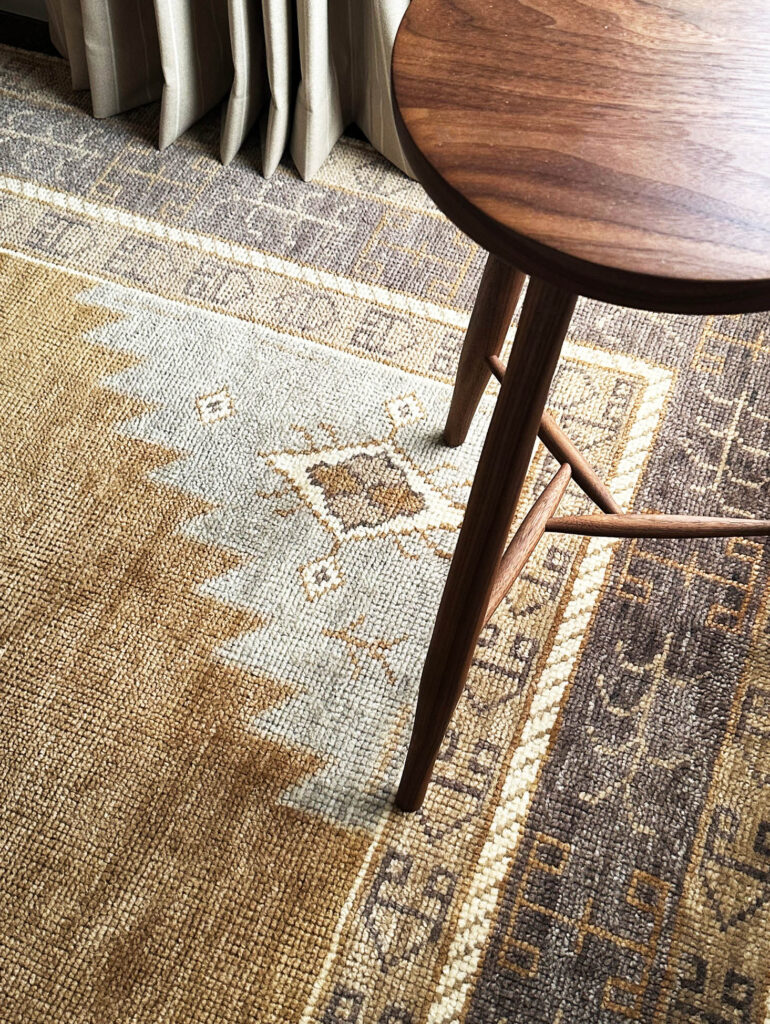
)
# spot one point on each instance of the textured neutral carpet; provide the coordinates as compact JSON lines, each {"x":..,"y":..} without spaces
{"x":226,"y":518}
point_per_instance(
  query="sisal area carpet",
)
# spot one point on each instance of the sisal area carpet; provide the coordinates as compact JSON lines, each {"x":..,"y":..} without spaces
{"x":226,"y":521}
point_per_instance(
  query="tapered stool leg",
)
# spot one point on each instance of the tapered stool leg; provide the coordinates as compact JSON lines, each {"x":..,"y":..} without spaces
{"x":492,"y":504}
{"x":493,"y":310}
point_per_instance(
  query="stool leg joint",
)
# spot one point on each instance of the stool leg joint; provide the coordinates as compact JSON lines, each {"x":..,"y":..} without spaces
{"x":563,"y":450}
{"x":526,"y":539}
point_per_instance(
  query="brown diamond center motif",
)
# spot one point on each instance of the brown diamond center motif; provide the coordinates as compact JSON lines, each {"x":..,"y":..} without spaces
{"x":366,"y":490}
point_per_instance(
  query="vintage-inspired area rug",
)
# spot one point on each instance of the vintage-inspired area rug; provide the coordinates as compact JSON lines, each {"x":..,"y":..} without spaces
{"x":225,"y":521}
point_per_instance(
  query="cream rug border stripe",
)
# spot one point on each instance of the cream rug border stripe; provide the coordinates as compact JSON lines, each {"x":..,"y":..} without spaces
{"x":88,"y":275}
{"x":233,"y":251}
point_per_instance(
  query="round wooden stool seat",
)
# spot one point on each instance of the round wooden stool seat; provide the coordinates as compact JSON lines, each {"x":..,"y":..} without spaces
{"x":618,"y":149}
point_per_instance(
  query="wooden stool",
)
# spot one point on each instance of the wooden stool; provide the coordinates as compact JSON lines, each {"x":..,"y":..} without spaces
{"x":618,"y":149}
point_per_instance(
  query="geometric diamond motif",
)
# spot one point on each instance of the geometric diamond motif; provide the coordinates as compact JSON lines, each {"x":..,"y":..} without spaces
{"x":404,"y":410}
{"x":367,"y":490}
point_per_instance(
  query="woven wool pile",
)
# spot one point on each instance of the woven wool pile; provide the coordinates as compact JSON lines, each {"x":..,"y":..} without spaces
{"x":226,"y":521}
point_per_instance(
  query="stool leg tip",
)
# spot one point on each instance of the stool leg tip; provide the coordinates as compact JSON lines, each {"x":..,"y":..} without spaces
{"x":407,"y":800}
{"x":452,"y":438}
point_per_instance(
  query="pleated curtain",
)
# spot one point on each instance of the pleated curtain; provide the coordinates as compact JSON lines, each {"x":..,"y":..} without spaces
{"x":305,"y":69}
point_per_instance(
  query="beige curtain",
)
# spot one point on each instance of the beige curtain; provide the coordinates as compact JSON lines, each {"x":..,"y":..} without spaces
{"x":304,"y":68}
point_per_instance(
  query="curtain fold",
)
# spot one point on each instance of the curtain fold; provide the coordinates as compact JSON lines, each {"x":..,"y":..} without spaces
{"x":278,"y":24}
{"x":249,"y":87}
{"x":304,"y":68}
{"x":112,"y":48}
{"x":196,"y":59}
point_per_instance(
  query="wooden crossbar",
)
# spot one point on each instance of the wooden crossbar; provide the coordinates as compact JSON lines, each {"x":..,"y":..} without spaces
{"x":563,"y":450}
{"x":652,"y":525}
{"x":526,"y":538}
{"x":611,"y":522}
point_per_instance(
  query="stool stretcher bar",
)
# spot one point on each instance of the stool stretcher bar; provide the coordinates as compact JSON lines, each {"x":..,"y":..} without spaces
{"x":526,"y":538}
{"x":563,"y":450}
{"x":650,"y":525}
{"x":611,"y":522}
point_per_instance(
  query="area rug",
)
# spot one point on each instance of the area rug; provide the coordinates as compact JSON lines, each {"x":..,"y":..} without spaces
{"x":227,"y":517}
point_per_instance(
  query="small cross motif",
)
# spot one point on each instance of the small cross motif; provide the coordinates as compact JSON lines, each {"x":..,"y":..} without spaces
{"x":214,"y":407}
{"x":320,"y":577}
{"x":403,"y":410}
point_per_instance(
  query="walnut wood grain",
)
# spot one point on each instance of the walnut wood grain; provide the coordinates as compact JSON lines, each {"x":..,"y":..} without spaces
{"x":653,"y":525}
{"x":545,"y":316}
{"x":563,"y":450}
{"x":585,"y":476}
{"x":526,"y":539}
{"x":618,"y":148}
{"x":493,"y":310}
